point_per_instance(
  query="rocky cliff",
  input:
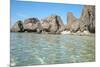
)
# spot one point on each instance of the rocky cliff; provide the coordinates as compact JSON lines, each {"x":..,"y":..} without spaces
{"x":32,"y":25}
{"x":85,"y":23}
{"x":17,"y":27}
{"x":88,"y":19}
{"x":54,"y":23}
{"x":51,"y":24}
{"x":72,"y":22}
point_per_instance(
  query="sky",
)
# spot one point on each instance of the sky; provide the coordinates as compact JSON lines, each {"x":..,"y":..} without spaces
{"x":21,"y":10}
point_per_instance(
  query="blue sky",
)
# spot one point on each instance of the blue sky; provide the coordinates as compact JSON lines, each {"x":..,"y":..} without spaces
{"x":23,"y":10}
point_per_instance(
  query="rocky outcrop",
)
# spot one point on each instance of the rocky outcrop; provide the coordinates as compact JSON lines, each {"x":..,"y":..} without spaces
{"x":85,"y":23}
{"x":70,"y":20}
{"x":17,"y":27}
{"x":75,"y":26}
{"x":32,"y":25}
{"x":52,"y":24}
{"x":88,"y":19}
{"x":72,"y":23}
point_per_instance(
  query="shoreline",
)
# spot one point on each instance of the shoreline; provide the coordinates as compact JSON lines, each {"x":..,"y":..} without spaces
{"x":76,"y":34}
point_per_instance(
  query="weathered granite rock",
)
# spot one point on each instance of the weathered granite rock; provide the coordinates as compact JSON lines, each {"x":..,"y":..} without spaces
{"x":70,"y":17}
{"x":65,"y":32}
{"x":52,"y":24}
{"x":32,"y":25}
{"x":17,"y":27}
{"x":61,"y":25}
{"x":45,"y":25}
{"x":70,"y":20}
{"x":88,"y":19}
{"x":73,"y":24}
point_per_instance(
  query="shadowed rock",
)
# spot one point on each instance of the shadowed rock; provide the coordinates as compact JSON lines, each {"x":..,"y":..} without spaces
{"x":32,"y":25}
{"x":85,"y":23}
{"x":75,"y":26}
{"x":88,"y":19}
{"x":72,"y":23}
{"x":52,"y":24}
{"x":17,"y":27}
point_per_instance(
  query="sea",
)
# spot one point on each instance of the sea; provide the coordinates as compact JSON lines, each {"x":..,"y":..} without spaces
{"x":28,"y":49}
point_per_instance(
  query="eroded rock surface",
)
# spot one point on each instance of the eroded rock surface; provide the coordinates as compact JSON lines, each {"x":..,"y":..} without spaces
{"x":86,"y":22}
{"x":72,"y":23}
{"x":17,"y":27}
{"x":52,"y":24}
{"x":32,"y":25}
{"x":88,"y":19}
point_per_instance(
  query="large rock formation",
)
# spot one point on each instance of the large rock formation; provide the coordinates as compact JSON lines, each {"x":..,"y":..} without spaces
{"x":70,"y":20}
{"x":32,"y":25}
{"x":85,"y":23}
{"x":17,"y":27}
{"x":88,"y":19}
{"x":75,"y":26}
{"x":72,"y":23}
{"x":52,"y":24}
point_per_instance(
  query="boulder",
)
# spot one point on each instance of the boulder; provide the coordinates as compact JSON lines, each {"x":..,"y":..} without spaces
{"x":52,"y":24}
{"x":73,"y":24}
{"x":88,"y":19}
{"x":32,"y":25}
{"x":17,"y":27}
{"x":45,"y":25}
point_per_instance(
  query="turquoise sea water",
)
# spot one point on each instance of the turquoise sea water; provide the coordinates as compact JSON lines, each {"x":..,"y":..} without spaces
{"x":35,"y":49}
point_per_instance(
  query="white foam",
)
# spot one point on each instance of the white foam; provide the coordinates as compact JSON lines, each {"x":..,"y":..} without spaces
{"x":40,"y":59}
{"x":65,"y":32}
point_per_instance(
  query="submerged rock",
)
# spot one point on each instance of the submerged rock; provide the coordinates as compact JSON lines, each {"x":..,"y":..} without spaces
{"x":17,"y":27}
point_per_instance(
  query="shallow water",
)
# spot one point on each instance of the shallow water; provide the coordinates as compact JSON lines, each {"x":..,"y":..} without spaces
{"x":33,"y":49}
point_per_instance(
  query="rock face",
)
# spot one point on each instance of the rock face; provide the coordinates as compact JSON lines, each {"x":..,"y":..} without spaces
{"x":70,"y":20}
{"x":85,"y":23}
{"x":32,"y":25}
{"x":88,"y":19}
{"x":17,"y":27}
{"x":72,"y":23}
{"x":52,"y":24}
{"x":75,"y":26}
